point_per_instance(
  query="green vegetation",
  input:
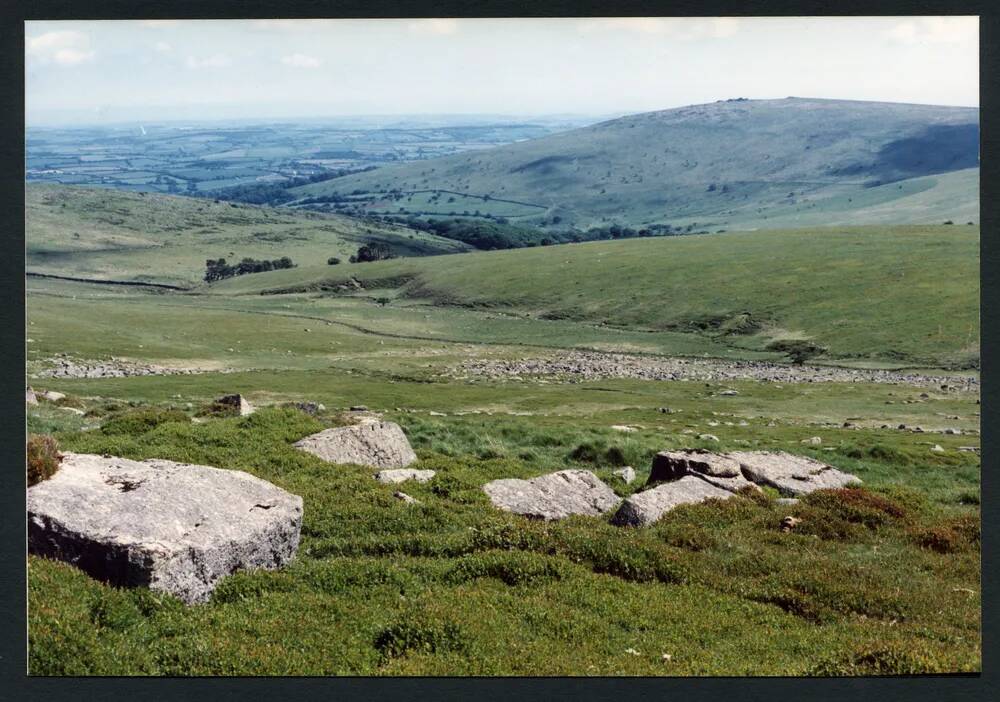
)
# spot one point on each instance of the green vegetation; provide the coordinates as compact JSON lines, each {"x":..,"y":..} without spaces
{"x":113,"y":235}
{"x":727,"y":287}
{"x":731,"y":164}
{"x":882,"y":579}
{"x":218,"y":269}
{"x":453,"y":586}
{"x":42,"y":458}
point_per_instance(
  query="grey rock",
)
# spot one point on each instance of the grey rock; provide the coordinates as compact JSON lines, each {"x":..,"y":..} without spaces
{"x":372,"y":443}
{"x":406,"y":498}
{"x":953,"y":432}
{"x":728,"y":393}
{"x":553,"y":496}
{"x":936,"y":448}
{"x":52,"y":395}
{"x":30,"y":397}
{"x":172,"y":527}
{"x":708,"y":437}
{"x":359,"y":408}
{"x":237,"y":403}
{"x":646,"y":507}
{"x":627,"y":474}
{"x":401,"y":475}
{"x":672,"y":465}
{"x":787,"y":500}
{"x":791,"y":475}
{"x":311,"y":408}
{"x":814,"y":441}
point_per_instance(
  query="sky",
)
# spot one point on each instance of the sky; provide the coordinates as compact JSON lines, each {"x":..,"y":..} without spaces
{"x":92,"y":72}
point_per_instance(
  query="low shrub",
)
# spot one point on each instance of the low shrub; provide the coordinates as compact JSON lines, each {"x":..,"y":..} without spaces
{"x":419,"y":636}
{"x":881,"y":660}
{"x":952,"y":535}
{"x":43,"y":458}
{"x":140,"y":421}
{"x":510,"y":567}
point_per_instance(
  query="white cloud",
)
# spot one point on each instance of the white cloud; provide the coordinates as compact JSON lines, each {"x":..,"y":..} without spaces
{"x":216,"y":61}
{"x":935,"y":30}
{"x":685,"y":29}
{"x":439,"y":25}
{"x":162,"y":47}
{"x":65,"y":48}
{"x":301,"y":61}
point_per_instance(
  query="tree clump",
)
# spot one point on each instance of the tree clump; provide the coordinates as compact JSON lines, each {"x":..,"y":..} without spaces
{"x":218,"y":269}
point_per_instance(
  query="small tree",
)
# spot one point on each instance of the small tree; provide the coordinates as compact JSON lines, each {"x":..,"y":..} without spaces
{"x":383,"y":301}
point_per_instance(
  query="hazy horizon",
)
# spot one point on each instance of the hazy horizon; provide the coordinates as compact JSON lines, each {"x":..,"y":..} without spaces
{"x":86,"y":73}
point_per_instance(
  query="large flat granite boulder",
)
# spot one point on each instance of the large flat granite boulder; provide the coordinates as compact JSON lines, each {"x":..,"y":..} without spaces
{"x":791,"y":475}
{"x":372,"y":443}
{"x":172,"y":527}
{"x":646,"y":507}
{"x":553,"y":496}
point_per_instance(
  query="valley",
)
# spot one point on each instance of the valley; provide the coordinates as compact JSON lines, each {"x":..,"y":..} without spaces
{"x":840,"y":331}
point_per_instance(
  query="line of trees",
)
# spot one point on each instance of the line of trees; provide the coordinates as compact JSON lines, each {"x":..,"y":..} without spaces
{"x":218,"y":269}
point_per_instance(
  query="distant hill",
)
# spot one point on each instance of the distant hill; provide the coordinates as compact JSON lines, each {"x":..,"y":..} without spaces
{"x":904,"y":294}
{"x":729,"y":164}
{"x":114,"y":235}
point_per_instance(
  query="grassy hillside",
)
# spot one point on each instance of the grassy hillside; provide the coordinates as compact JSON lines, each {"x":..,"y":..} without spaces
{"x":884,"y":580}
{"x":904,"y":293}
{"x":115,"y":235}
{"x":739,"y":163}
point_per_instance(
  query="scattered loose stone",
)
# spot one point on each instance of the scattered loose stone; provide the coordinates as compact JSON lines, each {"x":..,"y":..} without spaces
{"x":791,"y":475}
{"x":406,"y":498}
{"x":359,"y":408}
{"x":586,"y":365}
{"x":814,"y":441}
{"x":311,"y":408}
{"x":65,"y":367}
{"x":974,"y":449}
{"x":400,"y":475}
{"x":627,"y":474}
{"x":728,"y":393}
{"x":789,"y":523}
{"x":437,"y":414}
{"x":237,"y":403}
{"x":73,"y":410}
{"x":372,"y":443}
{"x":646,"y":507}
{"x":936,"y":448}
{"x":708,"y":437}
{"x":953,"y":432}
{"x":787,"y":500}
{"x":623,"y":428}
{"x":553,"y":496}
{"x":173,"y":527}
{"x":52,"y":396}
